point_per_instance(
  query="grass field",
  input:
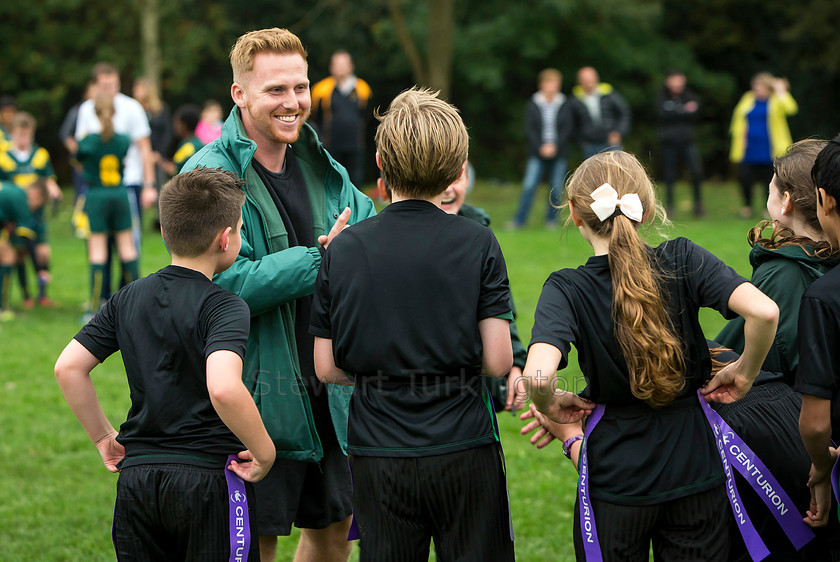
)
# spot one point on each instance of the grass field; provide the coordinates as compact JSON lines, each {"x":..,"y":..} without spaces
{"x":56,"y":499}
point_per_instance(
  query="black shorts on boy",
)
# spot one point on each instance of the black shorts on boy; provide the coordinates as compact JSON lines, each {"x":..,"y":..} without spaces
{"x":172,"y":494}
{"x":401,"y":295}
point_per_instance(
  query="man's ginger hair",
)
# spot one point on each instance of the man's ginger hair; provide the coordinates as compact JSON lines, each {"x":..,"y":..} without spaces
{"x":422,"y":144}
{"x":248,"y":46}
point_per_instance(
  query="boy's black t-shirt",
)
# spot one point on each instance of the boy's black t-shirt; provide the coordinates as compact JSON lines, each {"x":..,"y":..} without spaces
{"x":166,"y":325}
{"x":400,"y":295}
{"x":640,"y":455}
{"x":818,"y":373}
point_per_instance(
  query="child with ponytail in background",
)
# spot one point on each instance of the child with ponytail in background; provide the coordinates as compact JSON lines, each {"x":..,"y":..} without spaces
{"x":106,"y":204}
{"x":632,"y":313}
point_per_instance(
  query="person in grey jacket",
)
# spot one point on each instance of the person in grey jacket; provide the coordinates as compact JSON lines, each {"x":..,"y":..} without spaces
{"x":608,"y":114}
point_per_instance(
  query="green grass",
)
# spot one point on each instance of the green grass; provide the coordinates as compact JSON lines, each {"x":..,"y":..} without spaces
{"x":56,"y":499}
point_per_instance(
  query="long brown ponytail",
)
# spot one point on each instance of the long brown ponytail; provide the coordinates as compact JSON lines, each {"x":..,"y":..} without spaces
{"x":642,"y":326}
{"x":103,"y":106}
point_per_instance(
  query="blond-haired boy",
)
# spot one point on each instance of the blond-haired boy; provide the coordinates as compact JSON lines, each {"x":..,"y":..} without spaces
{"x":412,"y":307}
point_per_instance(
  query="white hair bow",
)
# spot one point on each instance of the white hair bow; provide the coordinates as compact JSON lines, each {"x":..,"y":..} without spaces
{"x":606,"y":201}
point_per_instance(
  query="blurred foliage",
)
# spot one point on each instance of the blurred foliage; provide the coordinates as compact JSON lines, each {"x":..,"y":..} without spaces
{"x":49,"y":47}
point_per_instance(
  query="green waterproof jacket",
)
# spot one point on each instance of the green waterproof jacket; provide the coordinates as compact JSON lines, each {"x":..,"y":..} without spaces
{"x":270,"y":276}
{"x":782,"y":274}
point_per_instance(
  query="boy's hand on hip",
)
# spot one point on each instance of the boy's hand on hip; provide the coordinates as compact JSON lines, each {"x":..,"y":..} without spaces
{"x":111,"y":451}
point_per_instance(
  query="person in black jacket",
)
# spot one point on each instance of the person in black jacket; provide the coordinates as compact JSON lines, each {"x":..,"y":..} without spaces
{"x":550,"y":120}
{"x":677,"y":108}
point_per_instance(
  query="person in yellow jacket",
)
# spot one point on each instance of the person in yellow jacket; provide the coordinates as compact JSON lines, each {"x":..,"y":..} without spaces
{"x":338,"y":110}
{"x":760,"y":132}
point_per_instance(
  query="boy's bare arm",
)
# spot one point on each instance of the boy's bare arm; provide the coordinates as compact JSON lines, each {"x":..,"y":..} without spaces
{"x":325,"y":367}
{"x":815,"y":428}
{"x":237,"y":410}
{"x":72,"y":371}
{"x":497,"y":352}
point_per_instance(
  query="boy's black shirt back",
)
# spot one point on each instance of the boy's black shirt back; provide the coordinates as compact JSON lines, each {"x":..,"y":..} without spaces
{"x":818,"y":373}
{"x":166,"y":325}
{"x":400,"y":295}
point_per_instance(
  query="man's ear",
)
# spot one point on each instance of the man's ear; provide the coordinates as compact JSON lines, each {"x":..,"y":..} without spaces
{"x":224,"y":239}
{"x":575,"y":218}
{"x":237,"y":93}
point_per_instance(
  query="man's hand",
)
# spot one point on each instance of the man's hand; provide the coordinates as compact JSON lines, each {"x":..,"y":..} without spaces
{"x":340,"y":224}
{"x":614,"y":138}
{"x":253,"y":471}
{"x":111,"y":451}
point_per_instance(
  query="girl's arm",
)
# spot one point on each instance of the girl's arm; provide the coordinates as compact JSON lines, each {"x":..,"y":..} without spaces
{"x":540,"y":376}
{"x":760,"y":316}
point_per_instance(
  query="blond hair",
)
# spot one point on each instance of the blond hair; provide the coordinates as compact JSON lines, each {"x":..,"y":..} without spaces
{"x":422,"y":144}
{"x":549,"y":74}
{"x":248,"y":46}
{"x":651,"y":348}
{"x":23,"y":120}
{"x":103,"y":106}
{"x":196,"y":205}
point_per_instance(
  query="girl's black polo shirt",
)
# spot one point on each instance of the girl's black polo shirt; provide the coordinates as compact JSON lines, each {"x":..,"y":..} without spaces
{"x":640,"y":455}
{"x":818,"y":373}
{"x":166,"y":325}
{"x":400,"y":295}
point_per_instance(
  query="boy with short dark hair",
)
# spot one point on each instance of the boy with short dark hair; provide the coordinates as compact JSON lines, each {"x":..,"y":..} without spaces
{"x":818,"y":375}
{"x":182,"y":340}
{"x":16,"y":208}
{"x":412,"y":306}
{"x":184,"y":123}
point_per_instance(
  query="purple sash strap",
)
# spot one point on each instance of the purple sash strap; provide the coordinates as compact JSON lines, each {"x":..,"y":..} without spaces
{"x":353,"y":534}
{"x":755,"y":546}
{"x":589,"y":534}
{"x":759,"y":477}
{"x":240,"y":529}
{"x":835,"y":480}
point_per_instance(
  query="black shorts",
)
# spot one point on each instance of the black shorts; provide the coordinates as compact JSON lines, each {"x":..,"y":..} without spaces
{"x":458,"y":499}
{"x":692,"y":528}
{"x":308,"y":495}
{"x":175,"y":512}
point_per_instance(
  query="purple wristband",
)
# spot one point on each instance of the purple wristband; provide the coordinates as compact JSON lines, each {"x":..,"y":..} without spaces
{"x":567,"y":445}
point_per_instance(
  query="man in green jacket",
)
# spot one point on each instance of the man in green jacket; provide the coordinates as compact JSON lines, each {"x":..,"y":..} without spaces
{"x":297,"y":199}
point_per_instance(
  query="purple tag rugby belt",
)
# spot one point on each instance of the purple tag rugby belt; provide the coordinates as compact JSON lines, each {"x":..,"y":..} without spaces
{"x":733,"y":452}
{"x":240,"y":529}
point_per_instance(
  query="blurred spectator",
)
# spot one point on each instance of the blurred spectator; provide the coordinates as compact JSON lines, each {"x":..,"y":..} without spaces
{"x":760,"y":132}
{"x":678,"y":107}
{"x":210,"y":125}
{"x":609,"y":114}
{"x":338,"y":109}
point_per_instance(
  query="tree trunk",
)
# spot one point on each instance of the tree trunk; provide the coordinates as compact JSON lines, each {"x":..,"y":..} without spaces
{"x":439,"y":45}
{"x":150,"y":43}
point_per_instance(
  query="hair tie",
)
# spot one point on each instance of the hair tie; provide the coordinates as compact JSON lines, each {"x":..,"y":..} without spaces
{"x":606,"y":204}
